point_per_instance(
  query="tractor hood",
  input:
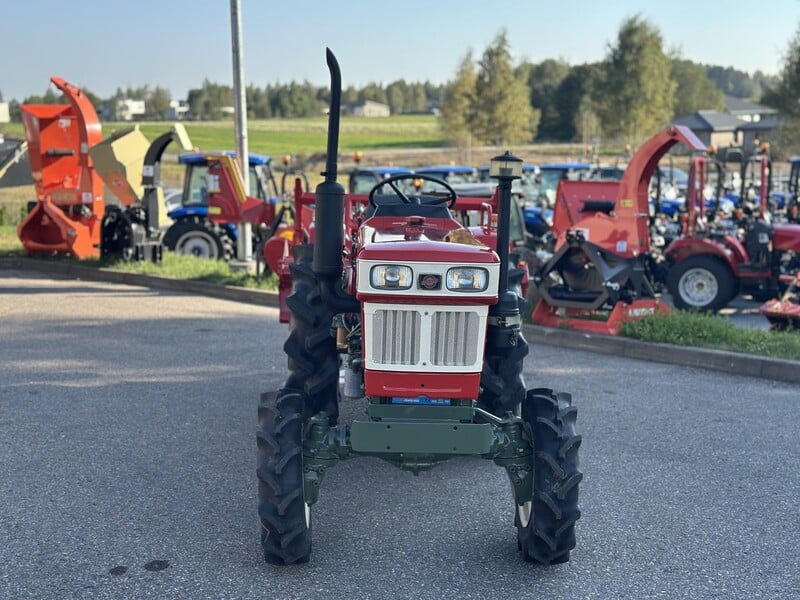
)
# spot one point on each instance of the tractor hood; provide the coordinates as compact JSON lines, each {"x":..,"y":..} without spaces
{"x":420,"y":239}
{"x":786,"y":236}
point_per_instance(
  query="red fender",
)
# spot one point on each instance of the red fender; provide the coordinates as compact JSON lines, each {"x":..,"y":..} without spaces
{"x":684,"y":248}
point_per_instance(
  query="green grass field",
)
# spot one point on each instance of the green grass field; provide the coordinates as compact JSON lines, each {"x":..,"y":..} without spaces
{"x":300,"y":137}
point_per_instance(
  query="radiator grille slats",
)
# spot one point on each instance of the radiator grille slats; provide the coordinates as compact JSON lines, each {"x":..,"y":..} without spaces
{"x":410,"y":337}
{"x":396,"y":337}
{"x":454,"y":338}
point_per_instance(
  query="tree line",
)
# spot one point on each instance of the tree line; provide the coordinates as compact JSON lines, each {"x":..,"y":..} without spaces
{"x":634,"y":91}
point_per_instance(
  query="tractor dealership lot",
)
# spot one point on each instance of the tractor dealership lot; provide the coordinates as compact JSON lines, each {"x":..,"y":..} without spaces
{"x":127,"y":432}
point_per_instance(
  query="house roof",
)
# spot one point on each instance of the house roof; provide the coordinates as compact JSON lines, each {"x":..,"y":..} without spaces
{"x":740,"y":106}
{"x":710,"y":120}
{"x":767,"y":122}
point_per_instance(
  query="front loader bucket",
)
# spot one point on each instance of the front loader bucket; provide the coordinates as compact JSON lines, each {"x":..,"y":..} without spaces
{"x":48,"y":230}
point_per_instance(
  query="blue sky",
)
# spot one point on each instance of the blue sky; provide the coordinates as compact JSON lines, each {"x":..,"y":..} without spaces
{"x":177,"y":43}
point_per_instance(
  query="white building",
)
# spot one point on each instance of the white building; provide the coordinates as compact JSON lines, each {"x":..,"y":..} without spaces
{"x":127,"y":109}
{"x":177,"y":110}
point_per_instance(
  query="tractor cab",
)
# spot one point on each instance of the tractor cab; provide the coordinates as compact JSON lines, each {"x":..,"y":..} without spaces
{"x":195,"y":182}
{"x":211,"y":232}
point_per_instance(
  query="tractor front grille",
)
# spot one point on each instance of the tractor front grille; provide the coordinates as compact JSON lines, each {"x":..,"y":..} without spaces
{"x":425,"y":337}
{"x":396,"y":337}
{"x":454,"y":338}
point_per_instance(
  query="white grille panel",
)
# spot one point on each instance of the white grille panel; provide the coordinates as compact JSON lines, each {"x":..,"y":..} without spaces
{"x":396,"y":337}
{"x":422,"y":337}
{"x":454,"y":337}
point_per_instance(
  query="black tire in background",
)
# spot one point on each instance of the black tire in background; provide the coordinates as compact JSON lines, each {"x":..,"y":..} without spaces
{"x":201,"y":238}
{"x":701,"y":283}
{"x":284,"y":515}
{"x":546,"y":525}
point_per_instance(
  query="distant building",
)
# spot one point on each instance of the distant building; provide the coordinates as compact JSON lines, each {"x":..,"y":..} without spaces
{"x":367,"y":108}
{"x":714,"y":128}
{"x":177,"y":111}
{"x":746,"y":110}
{"x":741,"y":124}
{"x":5,"y":117}
{"x":128,"y":110}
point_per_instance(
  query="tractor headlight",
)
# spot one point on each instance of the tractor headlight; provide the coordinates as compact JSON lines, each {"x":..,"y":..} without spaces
{"x":391,"y":277}
{"x":467,"y":279}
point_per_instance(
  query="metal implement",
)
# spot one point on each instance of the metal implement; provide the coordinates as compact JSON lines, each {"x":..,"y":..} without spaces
{"x":598,"y":277}
{"x":70,"y":203}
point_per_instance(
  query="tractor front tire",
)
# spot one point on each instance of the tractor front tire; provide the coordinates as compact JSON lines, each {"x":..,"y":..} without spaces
{"x":701,"y":283}
{"x":284,"y":515}
{"x":310,"y":347}
{"x":502,"y":385}
{"x":546,"y":524}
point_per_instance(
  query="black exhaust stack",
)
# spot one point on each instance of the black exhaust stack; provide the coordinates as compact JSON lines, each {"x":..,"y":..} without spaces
{"x":329,"y":212}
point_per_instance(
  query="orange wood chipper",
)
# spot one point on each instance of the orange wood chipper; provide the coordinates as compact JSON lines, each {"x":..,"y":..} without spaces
{"x":70,"y":204}
{"x":70,"y":162}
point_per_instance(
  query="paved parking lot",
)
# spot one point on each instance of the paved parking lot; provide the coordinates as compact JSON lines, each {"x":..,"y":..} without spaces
{"x":127,"y":469}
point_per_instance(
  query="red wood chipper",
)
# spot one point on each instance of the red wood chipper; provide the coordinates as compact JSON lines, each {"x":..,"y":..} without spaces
{"x":598,"y":278}
{"x":69,"y":208}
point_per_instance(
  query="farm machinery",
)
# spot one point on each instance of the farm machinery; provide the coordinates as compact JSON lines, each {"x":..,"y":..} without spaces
{"x":70,"y":162}
{"x":202,"y":231}
{"x":420,"y":315}
{"x":600,"y":274}
{"x":68,"y":213}
{"x":710,"y":264}
{"x":135,"y":229}
{"x":784,"y":313}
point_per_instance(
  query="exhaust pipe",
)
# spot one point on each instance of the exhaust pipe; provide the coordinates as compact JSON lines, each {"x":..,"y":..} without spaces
{"x":329,"y":212}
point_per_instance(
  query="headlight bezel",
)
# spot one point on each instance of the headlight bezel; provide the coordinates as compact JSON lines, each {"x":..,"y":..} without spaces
{"x":479,"y":274}
{"x":404,"y":276}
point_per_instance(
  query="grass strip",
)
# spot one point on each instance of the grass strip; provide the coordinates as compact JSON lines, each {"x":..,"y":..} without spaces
{"x":686,"y":328}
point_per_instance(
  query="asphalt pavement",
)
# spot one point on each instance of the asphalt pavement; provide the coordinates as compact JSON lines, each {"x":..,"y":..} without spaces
{"x":127,"y":437}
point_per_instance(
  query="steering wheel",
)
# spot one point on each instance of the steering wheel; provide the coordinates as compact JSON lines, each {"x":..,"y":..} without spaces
{"x":450,"y":196}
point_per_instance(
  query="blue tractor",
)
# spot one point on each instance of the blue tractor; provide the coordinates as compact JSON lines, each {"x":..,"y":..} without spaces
{"x":192,"y":232}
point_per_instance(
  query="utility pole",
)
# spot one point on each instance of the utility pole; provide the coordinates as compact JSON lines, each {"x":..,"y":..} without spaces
{"x":245,"y":241}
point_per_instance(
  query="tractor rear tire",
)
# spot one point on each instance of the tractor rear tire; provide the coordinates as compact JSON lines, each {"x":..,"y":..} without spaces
{"x":546,"y":524}
{"x":311,"y":347}
{"x":200,"y":238}
{"x":701,"y":283}
{"x":284,"y":515}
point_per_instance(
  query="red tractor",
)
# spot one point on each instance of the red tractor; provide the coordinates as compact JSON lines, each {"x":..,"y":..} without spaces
{"x":710,"y":265}
{"x":420,"y":315}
